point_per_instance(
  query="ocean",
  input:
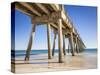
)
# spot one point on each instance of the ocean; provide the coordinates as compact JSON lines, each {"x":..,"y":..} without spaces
{"x":17,"y":53}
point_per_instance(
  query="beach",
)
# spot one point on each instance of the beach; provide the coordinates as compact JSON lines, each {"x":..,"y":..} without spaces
{"x":41,"y":63}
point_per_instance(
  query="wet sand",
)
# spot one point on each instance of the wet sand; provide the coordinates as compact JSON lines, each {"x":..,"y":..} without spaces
{"x":40,"y":63}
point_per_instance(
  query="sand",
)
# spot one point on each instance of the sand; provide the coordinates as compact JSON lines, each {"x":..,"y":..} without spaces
{"x":40,"y":63}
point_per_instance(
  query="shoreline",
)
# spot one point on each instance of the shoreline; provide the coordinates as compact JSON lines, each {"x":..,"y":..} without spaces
{"x":41,"y":63}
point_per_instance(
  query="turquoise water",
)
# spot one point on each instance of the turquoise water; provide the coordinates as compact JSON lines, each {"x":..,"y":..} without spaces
{"x":35,"y":52}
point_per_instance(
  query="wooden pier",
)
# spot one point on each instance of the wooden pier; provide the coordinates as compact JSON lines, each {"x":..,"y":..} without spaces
{"x":55,"y":17}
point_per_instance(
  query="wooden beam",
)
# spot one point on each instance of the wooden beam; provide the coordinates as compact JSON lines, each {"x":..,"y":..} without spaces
{"x":43,"y":8}
{"x":17,"y":7}
{"x":55,"y":7}
{"x":56,"y":26}
{"x":51,"y":18}
{"x":49,"y":41}
{"x":30,"y":8}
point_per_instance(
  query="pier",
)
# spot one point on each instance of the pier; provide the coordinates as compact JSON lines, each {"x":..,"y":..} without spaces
{"x":55,"y":17}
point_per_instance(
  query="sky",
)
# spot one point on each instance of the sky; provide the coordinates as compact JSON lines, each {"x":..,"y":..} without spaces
{"x":84,"y":19}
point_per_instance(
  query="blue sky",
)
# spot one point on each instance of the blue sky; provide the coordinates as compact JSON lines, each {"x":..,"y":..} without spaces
{"x":83,"y":17}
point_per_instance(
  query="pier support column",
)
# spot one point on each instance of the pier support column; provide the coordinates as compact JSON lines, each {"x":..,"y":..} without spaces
{"x":72,"y":43}
{"x":68,"y":47}
{"x":49,"y":41}
{"x":53,"y":50}
{"x":79,"y":46}
{"x":64,"y":48}
{"x":76,"y":45}
{"x":30,"y":44}
{"x":60,"y":41}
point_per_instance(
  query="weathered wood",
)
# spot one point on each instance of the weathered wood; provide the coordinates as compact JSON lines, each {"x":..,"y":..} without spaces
{"x":43,"y":8}
{"x":55,"y":7}
{"x":68,"y":47}
{"x":80,"y":40}
{"x":60,"y":41}
{"x":65,"y":32}
{"x":72,"y":43}
{"x":81,"y":46}
{"x":64,"y":48}
{"x":17,"y":7}
{"x":49,"y":41}
{"x":30,"y":8}
{"x":76,"y":47}
{"x":28,"y":49}
{"x":51,"y":18}
{"x":53,"y":50}
{"x":30,"y":44}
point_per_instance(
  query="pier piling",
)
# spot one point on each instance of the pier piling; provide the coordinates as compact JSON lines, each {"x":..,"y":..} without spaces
{"x":49,"y":41}
{"x":30,"y":43}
